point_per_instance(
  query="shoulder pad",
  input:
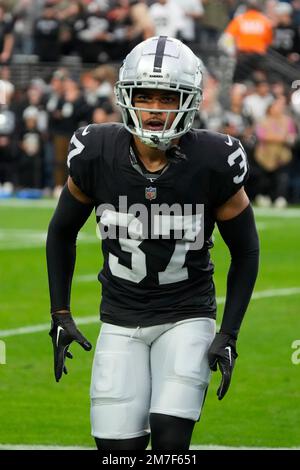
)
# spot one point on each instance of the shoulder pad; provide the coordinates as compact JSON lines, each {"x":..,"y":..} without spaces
{"x":87,"y":142}
{"x":86,"y":153}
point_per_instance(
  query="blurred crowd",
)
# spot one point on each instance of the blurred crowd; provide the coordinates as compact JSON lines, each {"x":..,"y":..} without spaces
{"x":261,"y":106}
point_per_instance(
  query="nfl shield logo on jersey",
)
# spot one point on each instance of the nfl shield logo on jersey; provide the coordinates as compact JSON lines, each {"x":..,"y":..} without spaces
{"x":150,"y":193}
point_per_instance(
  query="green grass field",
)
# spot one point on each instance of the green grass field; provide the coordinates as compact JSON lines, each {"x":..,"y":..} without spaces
{"x":262,"y":407}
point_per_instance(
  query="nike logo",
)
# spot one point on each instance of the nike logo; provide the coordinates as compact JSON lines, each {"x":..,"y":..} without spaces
{"x":59,"y":328}
{"x":85,"y":131}
{"x":229,"y":141}
{"x":229,"y":353}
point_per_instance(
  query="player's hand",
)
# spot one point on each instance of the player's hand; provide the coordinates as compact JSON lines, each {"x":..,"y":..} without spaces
{"x":63,"y":332}
{"x":222,"y":353}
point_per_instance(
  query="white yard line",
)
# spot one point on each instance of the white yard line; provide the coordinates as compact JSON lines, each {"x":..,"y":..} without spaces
{"x":290,"y":212}
{"x":19,"y":239}
{"x":276,"y":293}
{"x":29,"y":203}
{"x":86,"y":278}
{"x":202,"y":447}
{"x":25,"y":330}
{"x":95,"y":318}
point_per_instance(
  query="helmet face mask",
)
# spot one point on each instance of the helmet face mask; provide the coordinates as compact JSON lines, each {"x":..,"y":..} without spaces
{"x":160,"y":64}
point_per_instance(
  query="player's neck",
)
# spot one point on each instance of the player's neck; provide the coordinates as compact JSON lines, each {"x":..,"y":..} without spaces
{"x":152,"y":158}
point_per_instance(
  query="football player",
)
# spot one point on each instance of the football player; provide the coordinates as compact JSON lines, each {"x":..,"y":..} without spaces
{"x":158,"y":187}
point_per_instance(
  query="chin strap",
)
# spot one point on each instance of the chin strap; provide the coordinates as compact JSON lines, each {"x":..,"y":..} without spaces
{"x":174,"y":154}
{"x":160,"y":145}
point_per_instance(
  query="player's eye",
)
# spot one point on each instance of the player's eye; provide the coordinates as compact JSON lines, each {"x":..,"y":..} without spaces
{"x":169,"y":99}
{"x":142,"y":99}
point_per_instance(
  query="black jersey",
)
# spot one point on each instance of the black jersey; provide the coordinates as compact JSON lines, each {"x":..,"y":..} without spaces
{"x":156,"y":234}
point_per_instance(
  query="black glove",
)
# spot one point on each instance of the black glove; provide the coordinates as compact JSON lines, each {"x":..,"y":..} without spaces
{"x":222,"y":352}
{"x":63,"y":332}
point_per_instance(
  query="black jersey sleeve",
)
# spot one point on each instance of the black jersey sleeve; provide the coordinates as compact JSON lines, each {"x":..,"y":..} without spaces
{"x":231,"y":170}
{"x":82,"y":159}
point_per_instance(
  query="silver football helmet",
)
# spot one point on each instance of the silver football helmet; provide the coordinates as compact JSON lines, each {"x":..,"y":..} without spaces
{"x":162,"y":63}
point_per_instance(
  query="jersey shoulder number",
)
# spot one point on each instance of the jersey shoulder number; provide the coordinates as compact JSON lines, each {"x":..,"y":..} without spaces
{"x":230,"y":168}
{"x":78,"y":143}
{"x":238,"y":161}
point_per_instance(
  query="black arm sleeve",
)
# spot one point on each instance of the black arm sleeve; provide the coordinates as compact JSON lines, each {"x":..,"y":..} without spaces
{"x":241,"y":237}
{"x":69,"y":216}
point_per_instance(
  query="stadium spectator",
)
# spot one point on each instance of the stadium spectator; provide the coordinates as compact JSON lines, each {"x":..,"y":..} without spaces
{"x":286,"y":35}
{"x":130,"y":22}
{"x":91,"y":34}
{"x":97,"y":91}
{"x":257,"y":101}
{"x":167,"y":18}
{"x":30,"y":151}
{"x":57,"y":145}
{"x":72,"y":111}
{"x":193,"y":11}
{"x":269,"y":9}
{"x":35,"y":97}
{"x":236,"y":121}
{"x":105,"y":75}
{"x":7,"y":134}
{"x":47,"y":35}
{"x":279,"y":88}
{"x":142,"y":24}
{"x":215,"y":19}
{"x":122,"y":31}
{"x":92,"y":89}
{"x":68,"y":9}
{"x":25,"y":13}
{"x":6,"y":36}
{"x":296,"y":12}
{"x":211,"y":112}
{"x":276,"y":134}
{"x":100,"y":116}
{"x":251,"y":35}
{"x":67,"y":13}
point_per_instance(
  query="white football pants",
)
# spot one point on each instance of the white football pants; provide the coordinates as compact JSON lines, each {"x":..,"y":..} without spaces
{"x":158,"y":369}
